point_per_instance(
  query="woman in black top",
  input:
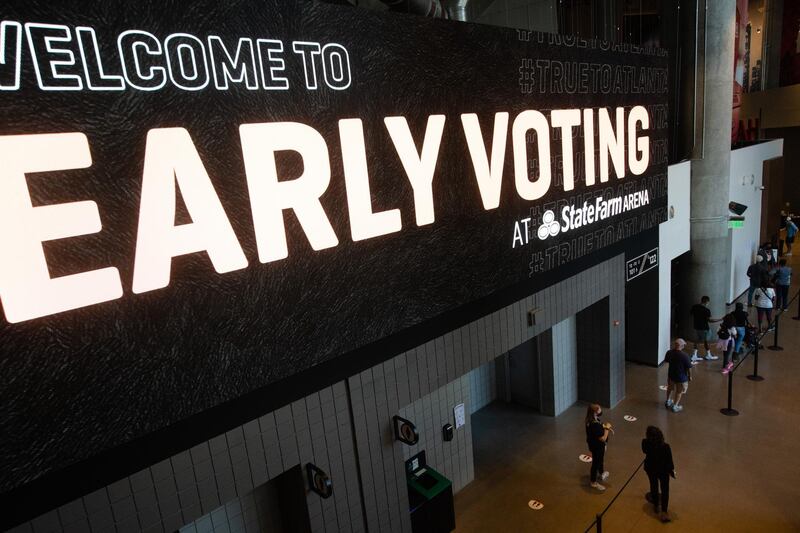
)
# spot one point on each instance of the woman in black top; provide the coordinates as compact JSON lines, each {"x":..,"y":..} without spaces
{"x":596,"y":436}
{"x":659,"y":467}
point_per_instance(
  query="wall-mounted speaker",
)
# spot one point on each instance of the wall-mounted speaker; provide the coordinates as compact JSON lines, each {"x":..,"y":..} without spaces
{"x":318,"y":481}
{"x":405,"y":431}
{"x":737,"y":208}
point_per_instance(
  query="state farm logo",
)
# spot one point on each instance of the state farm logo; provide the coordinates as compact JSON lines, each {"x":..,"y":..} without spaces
{"x":549,"y":227}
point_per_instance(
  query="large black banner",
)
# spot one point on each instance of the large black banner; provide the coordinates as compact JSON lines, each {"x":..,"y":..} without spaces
{"x":200,"y":200}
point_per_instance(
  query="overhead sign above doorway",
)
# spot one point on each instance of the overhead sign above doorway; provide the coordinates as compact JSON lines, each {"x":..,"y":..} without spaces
{"x":639,"y":265}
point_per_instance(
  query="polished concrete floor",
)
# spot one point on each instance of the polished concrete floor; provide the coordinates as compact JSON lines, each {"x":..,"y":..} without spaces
{"x":735,"y":474}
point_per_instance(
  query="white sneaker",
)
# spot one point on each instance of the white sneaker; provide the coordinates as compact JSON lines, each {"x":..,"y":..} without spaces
{"x":710,"y":357}
{"x":695,"y":357}
{"x":597,"y":486}
{"x":604,"y":476}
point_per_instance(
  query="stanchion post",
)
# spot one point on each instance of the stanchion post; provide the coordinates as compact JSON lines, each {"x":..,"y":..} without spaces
{"x":754,"y":376}
{"x":775,"y":347}
{"x":599,"y":523}
{"x":729,"y":411}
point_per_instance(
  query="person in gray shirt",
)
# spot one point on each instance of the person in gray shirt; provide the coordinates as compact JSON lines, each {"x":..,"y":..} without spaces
{"x":782,"y":278}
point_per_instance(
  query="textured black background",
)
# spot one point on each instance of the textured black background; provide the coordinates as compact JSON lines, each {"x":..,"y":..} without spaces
{"x":86,"y":381}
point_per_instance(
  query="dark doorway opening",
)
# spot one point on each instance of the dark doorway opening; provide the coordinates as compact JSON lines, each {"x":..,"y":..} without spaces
{"x":525,"y":375}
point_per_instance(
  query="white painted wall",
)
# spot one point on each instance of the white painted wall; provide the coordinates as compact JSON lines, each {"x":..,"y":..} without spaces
{"x":673,"y":240}
{"x":747,"y":167}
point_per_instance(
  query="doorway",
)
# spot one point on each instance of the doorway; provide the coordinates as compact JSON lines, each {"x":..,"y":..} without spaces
{"x":277,"y":506}
{"x":524,"y":373}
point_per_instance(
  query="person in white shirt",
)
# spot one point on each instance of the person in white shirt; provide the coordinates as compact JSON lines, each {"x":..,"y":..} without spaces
{"x":765,"y":301}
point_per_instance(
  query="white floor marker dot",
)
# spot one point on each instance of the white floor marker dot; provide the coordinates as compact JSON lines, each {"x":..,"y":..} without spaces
{"x":585,"y":458}
{"x":630,"y":418}
{"x":662,"y":387}
{"x":536,"y":506}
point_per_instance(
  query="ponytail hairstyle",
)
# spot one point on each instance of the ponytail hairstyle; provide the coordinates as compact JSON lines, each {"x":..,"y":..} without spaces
{"x":591,"y":411}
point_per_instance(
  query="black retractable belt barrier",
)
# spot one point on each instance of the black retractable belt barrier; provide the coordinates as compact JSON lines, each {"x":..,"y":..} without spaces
{"x":598,"y":518}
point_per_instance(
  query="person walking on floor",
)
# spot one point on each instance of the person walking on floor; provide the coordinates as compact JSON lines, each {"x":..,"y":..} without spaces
{"x":597,"y":434}
{"x":727,"y":341}
{"x":659,"y":467}
{"x":701,"y":316}
{"x":757,"y":272}
{"x":783,"y":279}
{"x":679,"y":374}
{"x":765,"y":301}
{"x":791,"y":231}
{"x":741,"y":322}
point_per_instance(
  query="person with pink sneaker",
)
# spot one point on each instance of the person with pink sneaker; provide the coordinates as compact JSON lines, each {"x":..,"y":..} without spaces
{"x":727,"y":341}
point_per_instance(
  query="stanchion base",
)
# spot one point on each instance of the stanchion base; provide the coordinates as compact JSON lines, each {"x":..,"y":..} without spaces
{"x":729,"y":412}
{"x":754,"y":377}
{"x":775,"y":348}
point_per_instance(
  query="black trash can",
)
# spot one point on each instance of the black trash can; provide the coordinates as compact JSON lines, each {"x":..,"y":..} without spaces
{"x":430,"y":498}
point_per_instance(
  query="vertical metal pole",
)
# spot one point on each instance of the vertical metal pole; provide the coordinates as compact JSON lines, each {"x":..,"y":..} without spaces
{"x":754,"y":376}
{"x":798,"y":310}
{"x":599,"y":523}
{"x":729,"y":411}
{"x":775,"y":347}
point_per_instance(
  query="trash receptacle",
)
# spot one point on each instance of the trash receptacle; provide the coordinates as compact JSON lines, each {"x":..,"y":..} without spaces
{"x":430,"y":498}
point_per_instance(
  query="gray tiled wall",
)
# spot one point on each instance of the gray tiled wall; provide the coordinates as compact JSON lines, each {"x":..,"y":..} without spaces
{"x":454,"y":458}
{"x":482,"y":386}
{"x":565,"y":365}
{"x":346,"y":430}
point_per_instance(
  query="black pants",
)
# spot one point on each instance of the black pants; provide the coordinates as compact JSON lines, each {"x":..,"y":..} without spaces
{"x":655,"y":480}
{"x":782,"y":300}
{"x":598,"y":454}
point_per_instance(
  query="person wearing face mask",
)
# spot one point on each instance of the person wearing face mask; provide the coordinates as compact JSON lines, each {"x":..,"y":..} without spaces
{"x":597,"y":434}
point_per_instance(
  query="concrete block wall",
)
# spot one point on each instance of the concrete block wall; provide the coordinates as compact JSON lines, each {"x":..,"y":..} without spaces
{"x":198,"y":481}
{"x":346,"y":429}
{"x":565,"y":365}
{"x":254,"y":512}
{"x":482,"y":386}
{"x":453,"y":459}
